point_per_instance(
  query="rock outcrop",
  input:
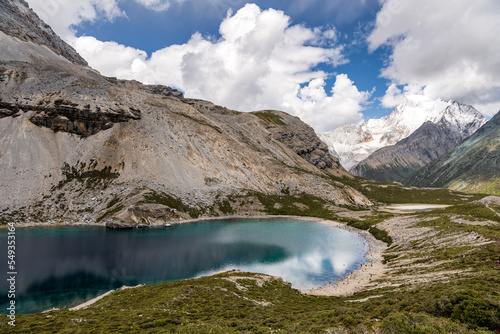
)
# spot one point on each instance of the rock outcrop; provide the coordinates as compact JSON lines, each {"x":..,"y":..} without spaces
{"x":67,"y":116}
{"x":299,"y":137}
{"x":144,"y":215}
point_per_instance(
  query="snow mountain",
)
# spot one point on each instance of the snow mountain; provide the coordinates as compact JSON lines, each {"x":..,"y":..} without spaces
{"x":354,"y":143}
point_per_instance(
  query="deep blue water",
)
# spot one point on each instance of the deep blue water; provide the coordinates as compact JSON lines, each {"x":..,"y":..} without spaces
{"x":64,"y":266}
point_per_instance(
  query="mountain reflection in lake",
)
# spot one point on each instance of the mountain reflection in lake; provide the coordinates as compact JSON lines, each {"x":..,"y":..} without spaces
{"x":61,"y":266}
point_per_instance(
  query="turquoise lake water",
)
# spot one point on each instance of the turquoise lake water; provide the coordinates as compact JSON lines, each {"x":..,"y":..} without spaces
{"x":64,"y":266}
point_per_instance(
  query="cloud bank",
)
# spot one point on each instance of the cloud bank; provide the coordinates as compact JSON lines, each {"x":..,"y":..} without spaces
{"x":445,"y":49}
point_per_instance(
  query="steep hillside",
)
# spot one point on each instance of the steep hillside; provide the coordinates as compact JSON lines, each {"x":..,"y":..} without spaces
{"x":473,"y":166}
{"x":352,"y":143}
{"x":77,"y":146}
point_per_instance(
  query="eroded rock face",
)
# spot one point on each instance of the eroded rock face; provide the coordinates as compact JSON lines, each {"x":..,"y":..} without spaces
{"x":162,"y":90}
{"x":65,"y":116}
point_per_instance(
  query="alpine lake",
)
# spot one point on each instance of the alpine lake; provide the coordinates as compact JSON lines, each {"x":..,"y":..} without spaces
{"x":65,"y":266}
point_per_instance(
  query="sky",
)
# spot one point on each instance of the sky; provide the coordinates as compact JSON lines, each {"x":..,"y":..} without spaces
{"x":329,"y":62}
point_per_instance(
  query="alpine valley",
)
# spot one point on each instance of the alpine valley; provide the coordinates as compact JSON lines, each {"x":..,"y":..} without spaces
{"x":82,"y":152}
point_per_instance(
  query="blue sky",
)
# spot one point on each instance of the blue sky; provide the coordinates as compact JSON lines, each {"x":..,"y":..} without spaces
{"x":328,"y":62}
{"x":149,"y":30}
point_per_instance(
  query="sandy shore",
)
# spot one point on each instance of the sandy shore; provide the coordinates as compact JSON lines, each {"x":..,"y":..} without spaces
{"x":92,"y":301}
{"x":365,"y":275}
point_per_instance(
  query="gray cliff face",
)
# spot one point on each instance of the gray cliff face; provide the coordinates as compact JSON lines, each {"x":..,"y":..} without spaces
{"x":68,"y":98}
{"x":472,"y":166}
{"x":17,"y":20}
{"x":77,"y":146}
{"x":300,"y":138}
{"x":400,"y":161}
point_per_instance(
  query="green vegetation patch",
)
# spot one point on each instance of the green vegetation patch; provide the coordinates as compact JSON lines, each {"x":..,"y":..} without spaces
{"x":287,"y":205}
{"x":270,"y":116}
{"x":171,"y":202}
{"x":109,"y":213}
{"x":486,"y":184}
{"x":216,"y":304}
{"x":395,"y":193}
{"x":469,"y":210}
{"x":90,"y":177}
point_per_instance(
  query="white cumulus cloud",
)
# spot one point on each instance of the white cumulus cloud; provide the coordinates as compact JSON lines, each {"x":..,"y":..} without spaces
{"x":260,"y":61}
{"x":62,"y":15}
{"x":444,"y":49}
{"x":326,"y":112}
{"x":113,"y":58}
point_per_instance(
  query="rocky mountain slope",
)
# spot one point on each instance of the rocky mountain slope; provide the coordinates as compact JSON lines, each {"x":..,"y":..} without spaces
{"x":352,"y":144}
{"x":473,"y":166}
{"x":78,"y":146}
{"x":430,"y":141}
{"x":17,"y":20}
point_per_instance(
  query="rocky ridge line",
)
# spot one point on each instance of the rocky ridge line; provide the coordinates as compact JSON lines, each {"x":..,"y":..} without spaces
{"x":18,"y":20}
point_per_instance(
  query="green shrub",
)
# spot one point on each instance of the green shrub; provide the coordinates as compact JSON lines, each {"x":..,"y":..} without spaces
{"x":470,"y":308}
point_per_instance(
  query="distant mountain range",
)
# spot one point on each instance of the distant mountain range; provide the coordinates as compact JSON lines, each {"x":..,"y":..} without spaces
{"x":424,"y":143}
{"x":472,"y":166}
{"x":432,"y":139}
{"x":352,"y":144}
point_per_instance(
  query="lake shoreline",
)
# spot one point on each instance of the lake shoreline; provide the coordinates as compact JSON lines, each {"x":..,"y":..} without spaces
{"x":359,"y":279}
{"x":172,"y":222}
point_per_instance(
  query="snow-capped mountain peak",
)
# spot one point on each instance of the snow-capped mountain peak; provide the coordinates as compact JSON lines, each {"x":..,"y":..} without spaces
{"x":352,"y":143}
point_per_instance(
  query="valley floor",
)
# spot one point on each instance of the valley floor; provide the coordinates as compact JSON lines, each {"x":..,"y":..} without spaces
{"x":440,"y":273}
